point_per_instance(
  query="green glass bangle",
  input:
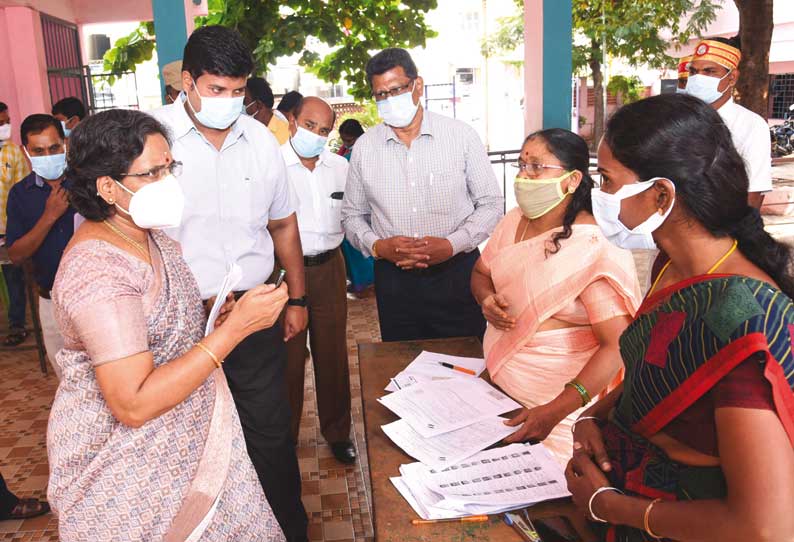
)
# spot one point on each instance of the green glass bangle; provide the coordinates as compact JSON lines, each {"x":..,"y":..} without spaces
{"x":581,"y":390}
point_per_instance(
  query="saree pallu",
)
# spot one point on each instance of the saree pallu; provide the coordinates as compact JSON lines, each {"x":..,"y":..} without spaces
{"x":538,"y":372}
{"x":684,"y":340}
{"x":538,"y":285}
{"x":182,"y":475}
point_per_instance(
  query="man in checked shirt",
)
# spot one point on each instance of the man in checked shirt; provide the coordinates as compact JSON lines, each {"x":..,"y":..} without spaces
{"x":420,"y":196}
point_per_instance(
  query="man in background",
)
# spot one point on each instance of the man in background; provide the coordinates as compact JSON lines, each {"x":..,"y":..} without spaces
{"x":172,"y":79}
{"x":13,"y":167}
{"x":287,"y":105}
{"x":70,"y":111}
{"x":40,"y":219}
{"x":259,"y":105}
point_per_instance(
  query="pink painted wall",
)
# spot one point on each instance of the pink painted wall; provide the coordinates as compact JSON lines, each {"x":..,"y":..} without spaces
{"x":24,"y":86}
{"x":533,"y":65}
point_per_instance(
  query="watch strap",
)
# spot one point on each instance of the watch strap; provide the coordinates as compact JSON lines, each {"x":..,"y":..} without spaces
{"x":297,"y":301}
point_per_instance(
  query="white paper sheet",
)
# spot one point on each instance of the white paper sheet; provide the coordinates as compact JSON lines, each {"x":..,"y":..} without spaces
{"x":449,"y":448}
{"x":234,"y":275}
{"x":435,"y":408}
{"x":427,"y":367}
{"x":519,"y":473}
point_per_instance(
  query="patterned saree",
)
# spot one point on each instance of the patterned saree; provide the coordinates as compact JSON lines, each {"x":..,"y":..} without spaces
{"x":684,"y":340}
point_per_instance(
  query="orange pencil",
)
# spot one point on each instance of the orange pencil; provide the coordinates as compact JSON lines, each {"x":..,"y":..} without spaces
{"x":458,"y":368}
{"x":467,"y":519}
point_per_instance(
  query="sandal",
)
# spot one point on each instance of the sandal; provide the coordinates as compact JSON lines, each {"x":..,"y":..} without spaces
{"x":28,"y":508}
{"x":15,"y":337}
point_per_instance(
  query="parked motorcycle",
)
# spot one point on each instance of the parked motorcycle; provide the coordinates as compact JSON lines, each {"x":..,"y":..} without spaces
{"x":782,"y":135}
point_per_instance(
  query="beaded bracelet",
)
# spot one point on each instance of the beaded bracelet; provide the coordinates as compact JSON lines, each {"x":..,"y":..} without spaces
{"x":576,"y":385}
{"x":594,"y":495}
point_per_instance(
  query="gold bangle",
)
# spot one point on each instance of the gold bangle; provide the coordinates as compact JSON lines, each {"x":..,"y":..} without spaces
{"x":210,"y":354}
{"x":374,"y":251}
{"x":646,"y":520}
{"x":576,"y":385}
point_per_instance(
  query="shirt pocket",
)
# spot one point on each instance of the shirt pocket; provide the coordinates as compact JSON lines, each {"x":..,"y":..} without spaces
{"x":334,"y":215}
{"x":443,"y":190}
{"x":257,"y":192}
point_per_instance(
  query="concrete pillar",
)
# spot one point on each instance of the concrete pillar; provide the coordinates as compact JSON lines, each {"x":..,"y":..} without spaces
{"x":548,"y":43}
{"x":171,"y":29}
{"x":25,"y":87}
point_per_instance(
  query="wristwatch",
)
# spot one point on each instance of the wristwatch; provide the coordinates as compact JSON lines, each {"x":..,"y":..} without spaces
{"x":297,"y":301}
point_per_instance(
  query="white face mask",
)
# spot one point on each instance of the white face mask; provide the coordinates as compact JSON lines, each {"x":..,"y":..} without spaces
{"x":398,"y":111}
{"x":157,"y":205}
{"x":217,"y":113}
{"x":705,"y":87}
{"x":606,"y":211}
{"x":5,"y":131}
{"x":307,"y":144}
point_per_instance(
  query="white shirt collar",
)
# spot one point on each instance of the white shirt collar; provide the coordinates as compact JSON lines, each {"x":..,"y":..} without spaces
{"x":729,"y":109}
{"x":291,"y":157}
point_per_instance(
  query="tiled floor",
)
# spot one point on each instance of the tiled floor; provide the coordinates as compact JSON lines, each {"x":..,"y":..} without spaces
{"x":337,"y":498}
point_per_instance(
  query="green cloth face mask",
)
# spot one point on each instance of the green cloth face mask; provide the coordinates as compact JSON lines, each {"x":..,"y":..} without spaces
{"x":536,"y":197}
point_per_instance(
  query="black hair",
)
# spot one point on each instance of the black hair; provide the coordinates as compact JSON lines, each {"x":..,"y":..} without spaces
{"x":735,"y":41}
{"x":351,"y":127}
{"x":572,"y":152}
{"x":3,"y":107}
{"x":260,"y":91}
{"x":37,"y":123}
{"x":389,"y":59}
{"x":289,"y":101}
{"x":683,"y":139}
{"x":217,"y":50}
{"x":69,"y":107}
{"x":105,"y":144}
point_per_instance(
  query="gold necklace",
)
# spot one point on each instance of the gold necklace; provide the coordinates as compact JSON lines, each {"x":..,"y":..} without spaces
{"x":523,"y":233}
{"x":709,"y":272}
{"x":127,"y":238}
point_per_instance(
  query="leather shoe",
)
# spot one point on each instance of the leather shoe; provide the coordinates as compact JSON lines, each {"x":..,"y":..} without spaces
{"x":344,"y":452}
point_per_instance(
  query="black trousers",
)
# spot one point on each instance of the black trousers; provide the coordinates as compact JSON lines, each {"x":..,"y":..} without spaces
{"x":428,"y":304}
{"x":7,"y":499}
{"x":255,"y":371}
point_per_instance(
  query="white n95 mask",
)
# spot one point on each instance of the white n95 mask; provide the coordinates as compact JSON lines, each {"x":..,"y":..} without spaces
{"x":157,"y":205}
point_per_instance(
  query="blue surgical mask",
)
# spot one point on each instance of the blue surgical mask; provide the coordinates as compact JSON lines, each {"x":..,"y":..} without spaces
{"x":705,"y":87}
{"x":307,"y":144}
{"x":49,"y":167}
{"x":67,"y":132}
{"x":217,"y":113}
{"x":679,"y":90}
{"x":398,"y":111}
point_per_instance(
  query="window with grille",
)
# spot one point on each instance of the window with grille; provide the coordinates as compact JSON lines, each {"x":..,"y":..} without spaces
{"x":782,"y":94}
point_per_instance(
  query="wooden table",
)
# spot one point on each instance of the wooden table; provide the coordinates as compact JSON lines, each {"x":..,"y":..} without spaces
{"x":391,"y":513}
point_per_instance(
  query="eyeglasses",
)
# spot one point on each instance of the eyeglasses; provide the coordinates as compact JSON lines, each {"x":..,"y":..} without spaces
{"x":534,"y":169}
{"x":157,"y":173}
{"x":396,"y":91}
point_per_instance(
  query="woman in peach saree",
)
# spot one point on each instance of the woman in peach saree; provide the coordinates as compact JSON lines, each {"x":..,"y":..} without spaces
{"x":556,"y":293}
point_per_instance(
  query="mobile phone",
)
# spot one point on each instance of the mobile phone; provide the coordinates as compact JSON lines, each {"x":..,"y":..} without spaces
{"x":280,"y":278}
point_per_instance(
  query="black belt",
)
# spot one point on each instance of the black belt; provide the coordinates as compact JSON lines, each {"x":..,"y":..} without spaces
{"x":44,"y":293}
{"x":319,"y":259}
{"x":439,"y":268}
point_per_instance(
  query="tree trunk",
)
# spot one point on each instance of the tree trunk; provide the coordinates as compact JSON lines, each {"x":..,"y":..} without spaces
{"x":598,"y":91}
{"x":755,"y":31}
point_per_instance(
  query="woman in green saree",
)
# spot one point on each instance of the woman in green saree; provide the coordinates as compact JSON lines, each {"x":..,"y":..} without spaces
{"x":696,"y":444}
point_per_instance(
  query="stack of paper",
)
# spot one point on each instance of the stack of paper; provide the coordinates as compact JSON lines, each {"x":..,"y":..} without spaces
{"x":234,"y":275}
{"x":438,"y":407}
{"x":487,"y":483}
{"x":428,"y":367}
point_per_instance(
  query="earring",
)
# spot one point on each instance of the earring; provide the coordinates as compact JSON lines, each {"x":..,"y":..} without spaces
{"x":111,"y":201}
{"x":661,"y":211}
{"x":571,"y":189}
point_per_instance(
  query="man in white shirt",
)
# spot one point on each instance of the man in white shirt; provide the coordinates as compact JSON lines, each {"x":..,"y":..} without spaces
{"x":713,"y":73}
{"x":239,"y":209}
{"x":318,"y":178}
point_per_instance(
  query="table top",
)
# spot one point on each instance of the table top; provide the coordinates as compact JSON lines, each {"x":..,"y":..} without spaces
{"x":392,"y":514}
